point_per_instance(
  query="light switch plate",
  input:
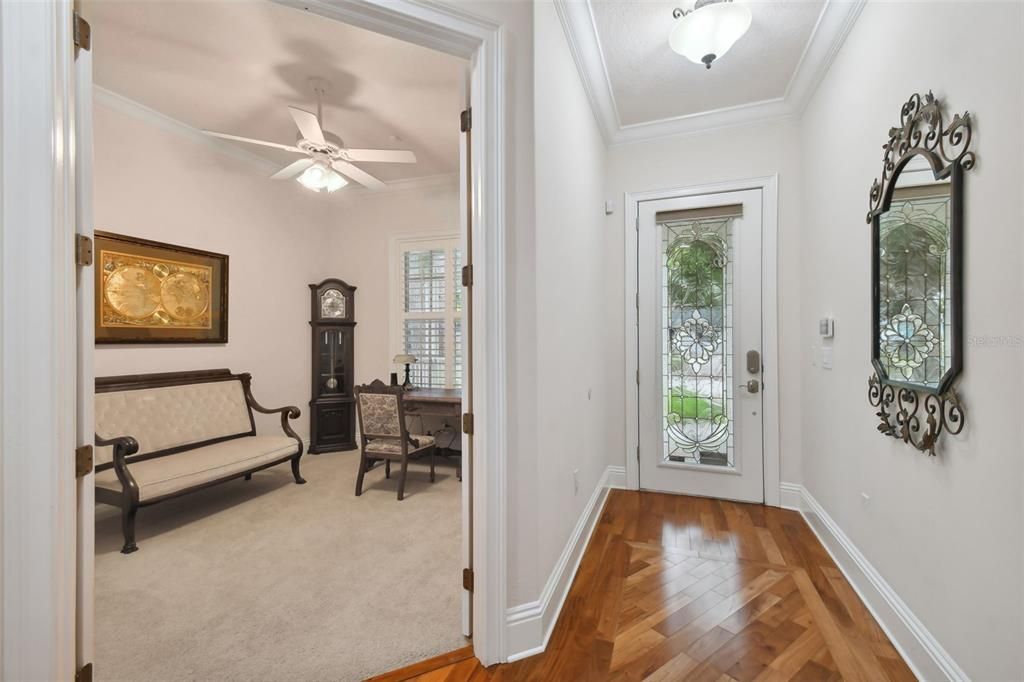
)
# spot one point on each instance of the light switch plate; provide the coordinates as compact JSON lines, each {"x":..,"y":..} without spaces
{"x":826,"y":357}
{"x":826,"y":327}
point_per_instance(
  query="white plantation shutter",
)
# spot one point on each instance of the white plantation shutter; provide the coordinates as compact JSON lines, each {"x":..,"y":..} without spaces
{"x":430,"y":315}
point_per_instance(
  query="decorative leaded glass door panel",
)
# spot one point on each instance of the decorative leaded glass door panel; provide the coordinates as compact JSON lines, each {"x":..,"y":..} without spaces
{"x":699,"y":315}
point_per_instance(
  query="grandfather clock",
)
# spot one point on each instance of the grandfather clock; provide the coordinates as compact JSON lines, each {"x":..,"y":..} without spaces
{"x":332,"y":421}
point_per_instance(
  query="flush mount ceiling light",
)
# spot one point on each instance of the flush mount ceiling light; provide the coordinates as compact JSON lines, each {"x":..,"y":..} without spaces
{"x":706,"y":32}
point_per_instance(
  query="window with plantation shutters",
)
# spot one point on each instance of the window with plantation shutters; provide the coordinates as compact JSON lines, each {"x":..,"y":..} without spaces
{"x":429,"y":309}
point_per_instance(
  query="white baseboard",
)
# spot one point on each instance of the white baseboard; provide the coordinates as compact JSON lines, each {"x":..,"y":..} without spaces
{"x":789,"y":495}
{"x":528,"y":626}
{"x":919,"y":648}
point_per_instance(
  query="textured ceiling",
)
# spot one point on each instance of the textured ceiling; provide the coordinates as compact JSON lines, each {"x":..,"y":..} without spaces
{"x":234,"y":67}
{"x":650,"y":82}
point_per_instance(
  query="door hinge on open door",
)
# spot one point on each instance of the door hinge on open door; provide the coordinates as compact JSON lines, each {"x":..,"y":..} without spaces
{"x":466,"y":120}
{"x":467,"y":579}
{"x":467,"y":275}
{"x":84,"y":674}
{"x":83,"y":460}
{"x":82,"y":32}
{"x":83,"y":250}
{"x":467,"y":423}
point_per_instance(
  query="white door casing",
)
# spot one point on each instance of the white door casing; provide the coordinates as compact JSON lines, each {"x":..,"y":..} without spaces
{"x":695,"y":350}
{"x":86,"y":563}
{"x":769,"y":323}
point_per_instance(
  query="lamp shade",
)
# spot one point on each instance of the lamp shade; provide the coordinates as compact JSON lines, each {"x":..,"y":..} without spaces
{"x":707,"y":33}
{"x":404,"y":359}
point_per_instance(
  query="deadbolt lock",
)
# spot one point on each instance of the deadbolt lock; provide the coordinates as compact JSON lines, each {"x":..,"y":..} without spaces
{"x":752,"y":386}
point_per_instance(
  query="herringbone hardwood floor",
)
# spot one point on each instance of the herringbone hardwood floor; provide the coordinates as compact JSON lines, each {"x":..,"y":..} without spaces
{"x":684,"y":588}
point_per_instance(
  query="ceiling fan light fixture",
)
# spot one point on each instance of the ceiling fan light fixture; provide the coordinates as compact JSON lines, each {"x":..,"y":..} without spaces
{"x":709,"y":30}
{"x":321,"y":178}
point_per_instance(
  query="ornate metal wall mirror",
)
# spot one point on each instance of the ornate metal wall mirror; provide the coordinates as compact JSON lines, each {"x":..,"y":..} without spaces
{"x":916,"y":216}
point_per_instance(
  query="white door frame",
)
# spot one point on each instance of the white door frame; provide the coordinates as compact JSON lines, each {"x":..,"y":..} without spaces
{"x":769,"y":321}
{"x":37,"y":335}
{"x":38,"y":364}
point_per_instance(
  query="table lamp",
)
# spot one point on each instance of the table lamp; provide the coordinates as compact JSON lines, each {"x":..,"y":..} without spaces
{"x":403,"y":359}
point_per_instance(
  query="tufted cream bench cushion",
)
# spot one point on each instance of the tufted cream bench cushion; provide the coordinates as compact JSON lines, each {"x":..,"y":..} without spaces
{"x":165,"y":475}
{"x":172,"y":416}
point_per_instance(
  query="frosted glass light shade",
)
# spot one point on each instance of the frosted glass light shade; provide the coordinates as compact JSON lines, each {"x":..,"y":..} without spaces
{"x":707,"y":33}
{"x":335,"y":181}
{"x":320,"y":177}
{"x":315,"y":177}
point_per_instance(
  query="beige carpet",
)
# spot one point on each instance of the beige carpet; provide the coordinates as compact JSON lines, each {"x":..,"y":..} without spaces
{"x":268,"y":580}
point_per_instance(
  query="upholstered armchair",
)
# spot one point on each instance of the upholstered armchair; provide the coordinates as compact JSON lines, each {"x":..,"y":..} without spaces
{"x":383,"y":433}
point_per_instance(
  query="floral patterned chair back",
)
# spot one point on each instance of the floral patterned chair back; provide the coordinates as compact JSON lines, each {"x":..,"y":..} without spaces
{"x":380,"y":411}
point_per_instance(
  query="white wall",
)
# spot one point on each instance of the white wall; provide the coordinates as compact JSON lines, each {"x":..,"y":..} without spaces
{"x":737,"y":153}
{"x":361,"y":230}
{"x":157,"y":184}
{"x":945,"y":532}
{"x":573,"y":414}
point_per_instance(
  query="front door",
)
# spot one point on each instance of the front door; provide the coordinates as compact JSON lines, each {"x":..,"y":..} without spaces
{"x":699,"y":345}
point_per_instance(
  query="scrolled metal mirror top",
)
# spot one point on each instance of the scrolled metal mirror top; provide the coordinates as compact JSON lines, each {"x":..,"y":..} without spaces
{"x":916,"y":214}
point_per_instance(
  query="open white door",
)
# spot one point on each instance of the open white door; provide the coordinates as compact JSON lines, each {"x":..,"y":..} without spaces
{"x":700,"y":344}
{"x":85,"y":432}
{"x":466,"y":233}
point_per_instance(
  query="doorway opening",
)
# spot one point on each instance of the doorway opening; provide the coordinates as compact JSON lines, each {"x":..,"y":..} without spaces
{"x":444,"y":361}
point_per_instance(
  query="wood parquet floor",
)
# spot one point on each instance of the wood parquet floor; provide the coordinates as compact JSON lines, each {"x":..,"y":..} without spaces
{"x":685,"y":588}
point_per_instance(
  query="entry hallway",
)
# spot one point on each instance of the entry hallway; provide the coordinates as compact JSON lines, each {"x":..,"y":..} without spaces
{"x":685,"y":588}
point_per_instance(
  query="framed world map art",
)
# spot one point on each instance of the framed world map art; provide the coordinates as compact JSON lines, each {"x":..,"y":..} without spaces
{"x":150,"y":292}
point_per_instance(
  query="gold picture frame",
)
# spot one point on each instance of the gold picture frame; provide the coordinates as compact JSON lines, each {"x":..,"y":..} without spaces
{"x":152,"y":292}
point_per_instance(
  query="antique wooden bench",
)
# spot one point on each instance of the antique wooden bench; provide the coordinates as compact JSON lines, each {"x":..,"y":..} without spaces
{"x":165,"y":435}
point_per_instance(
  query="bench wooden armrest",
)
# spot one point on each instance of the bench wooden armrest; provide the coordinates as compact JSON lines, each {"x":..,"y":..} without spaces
{"x":124,"y":446}
{"x":287,"y":412}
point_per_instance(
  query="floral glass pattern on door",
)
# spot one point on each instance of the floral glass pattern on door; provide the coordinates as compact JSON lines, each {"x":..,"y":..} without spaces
{"x":696,"y":280}
{"x":914,"y":274}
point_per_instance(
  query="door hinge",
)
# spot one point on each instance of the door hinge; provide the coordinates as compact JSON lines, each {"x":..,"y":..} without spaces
{"x":467,"y":579}
{"x":467,"y":275}
{"x":638,"y":300}
{"x":83,"y":250}
{"x":83,"y":460}
{"x":82,"y":32}
{"x":638,"y":453}
{"x":638,"y":377}
{"x":466,"y":120}
{"x":467,"y":423}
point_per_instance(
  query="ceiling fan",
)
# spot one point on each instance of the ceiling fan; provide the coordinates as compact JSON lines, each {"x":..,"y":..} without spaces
{"x":327,"y":160}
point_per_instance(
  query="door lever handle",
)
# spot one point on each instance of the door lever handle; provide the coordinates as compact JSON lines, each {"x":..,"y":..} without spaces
{"x":752,"y":386}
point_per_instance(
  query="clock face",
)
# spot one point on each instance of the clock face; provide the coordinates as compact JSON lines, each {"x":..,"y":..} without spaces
{"x":332,"y":304}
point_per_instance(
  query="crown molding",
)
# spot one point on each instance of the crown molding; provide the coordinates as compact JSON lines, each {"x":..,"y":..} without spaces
{"x":834,"y":23}
{"x":118,"y":102}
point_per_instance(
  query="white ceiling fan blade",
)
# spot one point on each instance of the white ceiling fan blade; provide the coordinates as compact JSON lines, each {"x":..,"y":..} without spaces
{"x":309,"y":127}
{"x":381,"y":155}
{"x":262,"y":143}
{"x":360,"y":176}
{"x":292,"y":169}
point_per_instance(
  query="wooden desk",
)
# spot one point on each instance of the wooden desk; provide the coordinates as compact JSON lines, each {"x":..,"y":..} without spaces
{"x":433,"y":402}
{"x":436,"y":402}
